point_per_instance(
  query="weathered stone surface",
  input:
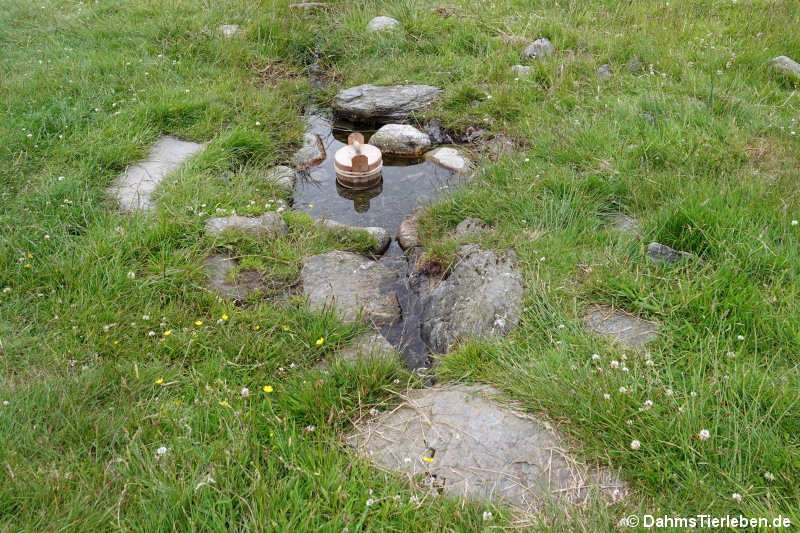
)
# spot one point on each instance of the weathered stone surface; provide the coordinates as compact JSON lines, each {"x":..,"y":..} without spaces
{"x":522,"y":71}
{"x":352,"y":284}
{"x":539,"y":49}
{"x":267,"y":224}
{"x":437,"y":132}
{"x":662,"y":254}
{"x":400,"y":139}
{"x":283,"y":177}
{"x":228,"y":30}
{"x":449,"y":158}
{"x":368,"y":346}
{"x":468,"y":445}
{"x":311,"y":154}
{"x":626,"y":224}
{"x":470,"y":225}
{"x":626,"y":329}
{"x":381,"y":236}
{"x":482,"y":297}
{"x":218,"y":268}
{"x":408,"y":233}
{"x":604,"y":73}
{"x":382,"y":23}
{"x":786,"y":66}
{"x":635,"y":65}
{"x":134,"y":188}
{"x":383,"y":102}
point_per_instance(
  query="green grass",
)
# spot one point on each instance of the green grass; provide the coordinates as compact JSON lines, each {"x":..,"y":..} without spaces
{"x":698,"y":144}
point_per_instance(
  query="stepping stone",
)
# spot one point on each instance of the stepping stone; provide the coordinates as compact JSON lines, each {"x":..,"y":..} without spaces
{"x":408,"y":233}
{"x":382,"y":23}
{"x":604,"y":73}
{"x":367,"y":347}
{"x":268,"y":224}
{"x":311,"y":154}
{"x":522,"y":71}
{"x":470,"y":225}
{"x":449,"y":158}
{"x":400,"y":139}
{"x":786,"y":66}
{"x":218,"y":268}
{"x":460,"y":440}
{"x":353,"y":285}
{"x":281,"y":176}
{"x":383,"y":103}
{"x":134,"y":188}
{"x":628,"y":330}
{"x":664,"y":255}
{"x":228,"y":30}
{"x":482,"y":297}
{"x":381,"y":236}
{"x":539,"y":49}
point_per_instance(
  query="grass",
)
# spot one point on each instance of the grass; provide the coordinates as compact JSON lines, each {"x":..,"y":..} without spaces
{"x":694,"y":136}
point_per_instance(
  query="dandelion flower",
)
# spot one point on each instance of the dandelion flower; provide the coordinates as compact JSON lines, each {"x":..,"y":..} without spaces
{"x":428,"y":459}
{"x":159,"y":381}
{"x":224,"y":403}
{"x":285,"y":328}
{"x":256,"y":327}
{"x":267,"y":388}
{"x":704,"y":434}
{"x":224,"y":316}
{"x":635,"y":444}
{"x":320,"y":340}
{"x":198,"y":322}
{"x":168,"y":333}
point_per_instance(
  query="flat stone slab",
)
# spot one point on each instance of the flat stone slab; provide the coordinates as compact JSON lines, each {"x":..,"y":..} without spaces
{"x":786,"y":66}
{"x":270,"y":223}
{"x":134,"y":188}
{"x":382,"y":23}
{"x":628,"y":330}
{"x":369,"y":346}
{"x":386,"y":103}
{"x":218,"y":268}
{"x":481,"y":298}
{"x":281,"y":176}
{"x":458,"y":439}
{"x":311,"y":154}
{"x":625,"y":224}
{"x":353,"y":285}
{"x":604,"y":72}
{"x":381,"y":236}
{"x":400,"y":139}
{"x":449,"y":158}
{"x":662,"y":254}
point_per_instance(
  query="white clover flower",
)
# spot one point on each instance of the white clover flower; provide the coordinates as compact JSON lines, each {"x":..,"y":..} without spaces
{"x":245,"y":392}
{"x":736,"y":496}
{"x":131,"y":275}
{"x":607,"y":396}
{"x":161,"y":451}
{"x":648,"y":404}
{"x":623,"y":390}
{"x":693,"y":394}
{"x":614,"y":364}
{"x":5,"y":403}
{"x":740,"y":337}
{"x":624,"y":368}
{"x":370,"y":502}
{"x":704,"y":434}
{"x":6,"y":289}
{"x":769,"y":476}
{"x":668,"y":392}
{"x":635,"y":444}
{"x":794,"y":222}
{"x":145,"y":317}
{"x":487,"y":516}
{"x":151,"y":333}
{"x":595,"y":357}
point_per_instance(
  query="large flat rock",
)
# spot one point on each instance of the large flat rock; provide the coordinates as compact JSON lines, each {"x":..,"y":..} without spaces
{"x":383,"y":103}
{"x":481,"y":298}
{"x":134,"y":188}
{"x":624,"y":328}
{"x":458,"y":439}
{"x":353,"y":285}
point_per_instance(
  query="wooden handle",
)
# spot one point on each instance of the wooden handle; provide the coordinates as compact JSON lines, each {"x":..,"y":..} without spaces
{"x":354,"y":138}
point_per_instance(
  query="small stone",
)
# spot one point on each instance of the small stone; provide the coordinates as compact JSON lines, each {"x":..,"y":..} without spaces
{"x":267,"y":224}
{"x":408,"y":233}
{"x":539,"y":49}
{"x":218,"y":268}
{"x":449,"y":158}
{"x":662,"y":254}
{"x":383,"y":103}
{"x":604,"y":73}
{"x":786,"y":66}
{"x":281,"y":176}
{"x":228,"y":30}
{"x":400,"y":139}
{"x":382,"y":23}
{"x":626,"y":329}
{"x":368,"y":346}
{"x":381,"y":236}
{"x":522,"y":71}
{"x":626,"y":224}
{"x":311,"y":154}
{"x":436,"y":132}
{"x":470,"y":225}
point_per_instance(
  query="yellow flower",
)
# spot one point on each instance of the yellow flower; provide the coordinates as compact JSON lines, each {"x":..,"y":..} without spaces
{"x":285,"y":328}
{"x":116,"y":342}
{"x":224,"y":403}
{"x":267,"y":388}
{"x":159,"y":381}
{"x":256,"y":327}
{"x":428,"y":459}
{"x":198,"y":322}
{"x":320,"y":340}
{"x":224,"y":316}
{"x":30,"y":256}
{"x":27,"y":265}
{"x":168,"y":333}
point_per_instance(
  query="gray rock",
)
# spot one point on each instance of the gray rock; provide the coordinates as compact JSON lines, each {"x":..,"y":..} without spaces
{"x":382,"y":23}
{"x":482,"y":297}
{"x":626,"y":224}
{"x":661,"y":254}
{"x":352,"y":284}
{"x":522,"y":71}
{"x":228,"y":30}
{"x":786,"y":66}
{"x":539,"y":49}
{"x":408,"y":233}
{"x":626,"y":329}
{"x":218,"y":268}
{"x":462,"y":441}
{"x":470,"y":225}
{"x":281,"y":176}
{"x":604,"y":73}
{"x":366,"y":347}
{"x":400,"y":139}
{"x":381,"y":236}
{"x":311,"y":154}
{"x":271,"y":224}
{"x":635,"y":65}
{"x":134,"y":188}
{"x":436,"y":132}
{"x":383,"y":103}
{"x":449,"y":158}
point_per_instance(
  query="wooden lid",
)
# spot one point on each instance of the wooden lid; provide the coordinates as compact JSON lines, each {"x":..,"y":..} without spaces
{"x":357,"y":156}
